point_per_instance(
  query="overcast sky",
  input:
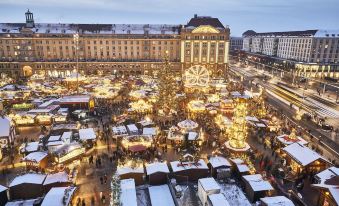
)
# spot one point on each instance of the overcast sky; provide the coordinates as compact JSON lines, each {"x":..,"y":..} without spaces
{"x":240,"y":15}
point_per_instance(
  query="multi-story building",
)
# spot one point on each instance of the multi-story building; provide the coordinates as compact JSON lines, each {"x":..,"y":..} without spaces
{"x":52,"y":49}
{"x":313,"y":52}
{"x":236,"y":43}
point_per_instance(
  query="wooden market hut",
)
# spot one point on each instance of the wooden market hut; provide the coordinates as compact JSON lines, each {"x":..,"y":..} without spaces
{"x":218,"y":164}
{"x":27,"y":186}
{"x":36,"y":160}
{"x":327,"y":187}
{"x":127,"y":172}
{"x":189,"y":171}
{"x":59,"y":179}
{"x":302,"y":159}
{"x":256,"y":187}
{"x":157,"y":173}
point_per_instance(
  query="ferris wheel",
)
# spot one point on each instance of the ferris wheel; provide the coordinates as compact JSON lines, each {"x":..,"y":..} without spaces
{"x":196,"y":76}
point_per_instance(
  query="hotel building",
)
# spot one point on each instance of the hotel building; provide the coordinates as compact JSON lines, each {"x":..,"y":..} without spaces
{"x":53,"y":49}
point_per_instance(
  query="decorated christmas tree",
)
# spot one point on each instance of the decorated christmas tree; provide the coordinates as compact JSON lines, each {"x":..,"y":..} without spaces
{"x":168,"y":88}
{"x":116,"y":191}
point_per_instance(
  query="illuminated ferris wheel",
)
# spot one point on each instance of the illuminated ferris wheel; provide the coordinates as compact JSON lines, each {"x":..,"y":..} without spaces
{"x":196,"y":76}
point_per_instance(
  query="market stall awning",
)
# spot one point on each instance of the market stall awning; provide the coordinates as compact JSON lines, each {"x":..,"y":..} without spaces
{"x":137,"y":148}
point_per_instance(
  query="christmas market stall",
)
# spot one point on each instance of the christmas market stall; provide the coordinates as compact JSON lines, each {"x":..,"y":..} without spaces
{"x":60,"y":179}
{"x":68,"y":152}
{"x":29,"y":147}
{"x":285,"y":140}
{"x":157,"y":173}
{"x":36,"y":160}
{"x":239,"y":167}
{"x":132,"y":169}
{"x":136,"y":143}
{"x":27,"y":186}
{"x":87,"y":134}
{"x":301,"y":159}
{"x":207,"y":186}
{"x":59,"y":196}
{"x":256,"y":187}
{"x":84,"y":102}
{"x":220,"y":167}
{"x":128,"y":192}
{"x":161,"y":195}
{"x":327,"y":187}
{"x":189,"y":171}
{"x":7,"y":132}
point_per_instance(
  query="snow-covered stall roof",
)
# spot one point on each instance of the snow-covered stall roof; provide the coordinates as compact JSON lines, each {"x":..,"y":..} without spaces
{"x":302,"y":154}
{"x":55,"y":143}
{"x":5,"y":126}
{"x":219,"y":161}
{"x":87,"y":134}
{"x":35,"y":156}
{"x":132,"y":128}
{"x":149,"y":131}
{"x":54,"y":138}
{"x":3,"y":188}
{"x":327,"y":174}
{"x":119,"y":130}
{"x":156,"y":167}
{"x":58,"y":196}
{"x":335,"y":193}
{"x":56,"y":178}
{"x":192,"y":136}
{"x":218,"y":200}
{"x":277,"y":201}
{"x":127,"y":169}
{"x":287,"y":141}
{"x":128,"y":193}
{"x":177,"y":166}
{"x":74,"y":99}
{"x":29,"y":178}
{"x":188,"y":124}
{"x":257,"y":182}
{"x":209,"y":184}
{"x":242,"y":168}
{"x":30,"y":202}
{"x":66,"y":136}
{"x":161,"y":195}
{"x":30,"y":147}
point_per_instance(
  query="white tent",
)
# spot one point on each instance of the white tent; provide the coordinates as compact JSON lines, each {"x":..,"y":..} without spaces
{"x":188,"y":124}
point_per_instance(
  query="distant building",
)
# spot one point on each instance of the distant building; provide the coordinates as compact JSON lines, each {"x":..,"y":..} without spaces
{"x":313,"y":52}
{"x":236,"y":43}
{"x":50,"y":49}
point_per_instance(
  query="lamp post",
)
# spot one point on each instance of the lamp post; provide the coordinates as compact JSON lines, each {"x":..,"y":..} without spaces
{"x":76,"y":41}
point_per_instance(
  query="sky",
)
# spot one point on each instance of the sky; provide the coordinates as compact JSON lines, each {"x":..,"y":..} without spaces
{"x":239,"y":15}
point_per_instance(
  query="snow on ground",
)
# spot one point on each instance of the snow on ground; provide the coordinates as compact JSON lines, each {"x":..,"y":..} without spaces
{"x":189,"y":197}
{"x":234,"y":195}
{"x":143,"y":198}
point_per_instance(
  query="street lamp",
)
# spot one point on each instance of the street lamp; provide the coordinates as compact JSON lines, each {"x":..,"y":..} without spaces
{"x":76,"y":41}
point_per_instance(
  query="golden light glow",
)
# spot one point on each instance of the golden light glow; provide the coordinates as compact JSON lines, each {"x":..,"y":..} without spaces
{"x":206,"y":29}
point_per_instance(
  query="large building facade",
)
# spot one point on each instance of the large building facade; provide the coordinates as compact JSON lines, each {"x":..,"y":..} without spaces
{"x":53,"y":49}
{"x":313,"y":52}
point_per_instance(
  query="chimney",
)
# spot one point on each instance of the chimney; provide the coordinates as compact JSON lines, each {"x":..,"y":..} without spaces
{"x":195,"y":15}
